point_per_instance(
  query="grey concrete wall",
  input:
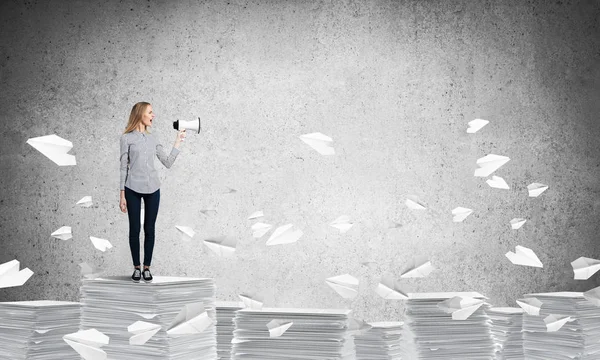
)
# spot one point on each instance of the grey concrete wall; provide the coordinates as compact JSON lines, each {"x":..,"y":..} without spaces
{"x":393,"y":83}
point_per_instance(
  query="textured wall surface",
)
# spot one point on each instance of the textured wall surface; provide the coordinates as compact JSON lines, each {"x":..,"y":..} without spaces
{"x":394,"y":83}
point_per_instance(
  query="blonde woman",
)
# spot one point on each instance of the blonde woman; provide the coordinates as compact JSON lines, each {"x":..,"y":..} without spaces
{"x":139,"y":180}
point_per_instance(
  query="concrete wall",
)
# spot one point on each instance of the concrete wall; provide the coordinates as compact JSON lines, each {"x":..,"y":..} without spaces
{"x":393,"y":83}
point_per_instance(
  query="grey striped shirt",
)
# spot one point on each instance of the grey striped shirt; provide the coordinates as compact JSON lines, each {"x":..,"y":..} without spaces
{"x":137,"y":161}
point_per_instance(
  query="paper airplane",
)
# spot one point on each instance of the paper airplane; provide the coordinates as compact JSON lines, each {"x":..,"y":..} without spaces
{"x":319,"y":142}
{"x":531,"y":305}
{"x":497,"y":182}
{"x":284,"y":235}
{"x":414,"y":204}
{"x":64,"y":233}
{"x":256,"y":215}
{"x":10,"y":276}
{"x":460,"y":307}
{"x":555,"y":322}
{"x":524,"y":256}
{"x":346,"y":285}
{"x":516,"y":223}
{"x":418,"y":267}
{"x":101,"y":244}
{"x":358,"y":327}
{"x":476,"y":125}
{"x":54,"y":148}
{"x":192,"y":319}
{"x":342,"y":223}
{"x":460,"y":214}
{"x":88,"y":343}
{"x":259,"y":229}
{"x":142,"y":332}
{"x":389,"y":289}
{"x":584,"y":267}
{"x":252,"y":301}
{"x":593,"y":296}
{"x":85,"y":201}
{"x":222,"y":245}
{"x":186,"y":232}
{"x":536,"y":189}
{"x":89,"y":271}
{"x":490,"y":163}
{"x":278,"y":327}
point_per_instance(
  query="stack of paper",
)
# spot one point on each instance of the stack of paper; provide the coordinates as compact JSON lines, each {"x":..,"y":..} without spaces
{"x":382,"y":341}
{"x":441,"y":331}
{"x":170,"y":318}
{"x":34,"y":329}
{"x":567,"y":327}
{"x":507,"y":326}
{"x":313,"y":334}
{"x":225,"y":326}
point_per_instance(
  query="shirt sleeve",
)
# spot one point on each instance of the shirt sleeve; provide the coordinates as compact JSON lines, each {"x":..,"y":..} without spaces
{"x":162,"y":156}
{"x":124,"y":161}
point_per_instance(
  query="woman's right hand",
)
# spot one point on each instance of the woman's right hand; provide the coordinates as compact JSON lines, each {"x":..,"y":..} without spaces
{"x":123,"y":204}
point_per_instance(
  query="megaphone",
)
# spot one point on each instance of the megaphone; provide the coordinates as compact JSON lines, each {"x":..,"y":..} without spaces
{"x":187,"y":125}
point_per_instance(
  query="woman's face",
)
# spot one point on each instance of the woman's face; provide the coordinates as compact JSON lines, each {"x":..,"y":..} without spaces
{"x":148,"y":116}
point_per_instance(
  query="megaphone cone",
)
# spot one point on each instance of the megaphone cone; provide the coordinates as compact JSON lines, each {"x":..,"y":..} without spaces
{"x":187,"y":125}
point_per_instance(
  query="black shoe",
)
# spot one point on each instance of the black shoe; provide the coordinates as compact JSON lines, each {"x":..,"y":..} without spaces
{"x":137,"y":275}
{"x":147,"y":275}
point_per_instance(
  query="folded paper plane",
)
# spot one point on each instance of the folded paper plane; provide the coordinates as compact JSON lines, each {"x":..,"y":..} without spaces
{"x":490,"y":163}
{"x":256,"y":215}
{"x":252,"y":301}
{"x":319,"y":142}
{"x":414,"y":204}
{"x":536,"y":189}
{"x":85,"y":201}
{"x":418,"y":267}
{"x":89,"y":272}
{"x":192,"y":319}
{"x":142,"y":332}
{"x":101,"y":244}
{"x":476,"y":125}
{"x":64,"y":233}
{"x":223,"y":245}
{"x":524,"y":256}
{"x":278,"y":327}
{"x":555,"y":322}
{"x":593,"y":296}
{"x":88,"y":343}
{"x":186,"y":233}
{"x":516,"y":223}
{"x":497,"y":182}
{"x":531,"y":305}
{"x":284,"y":235}
{"x":585,"y":267}
{"x":260,"y":229}
{"x":346,"y":285}
{"x":460,"y":307}
{"x":390,"y":289}
{"x":10,"y":276}
{"x":459,"y":214}
{"x":342,"y":223}
{"x":54,"y":148}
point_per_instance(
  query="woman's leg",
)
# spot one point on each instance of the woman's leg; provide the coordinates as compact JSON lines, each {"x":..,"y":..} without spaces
{"x":151,"y":203}
{"x":133,"y":210}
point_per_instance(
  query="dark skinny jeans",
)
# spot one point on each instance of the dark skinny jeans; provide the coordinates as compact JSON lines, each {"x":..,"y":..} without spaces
{"x":134,"y":205}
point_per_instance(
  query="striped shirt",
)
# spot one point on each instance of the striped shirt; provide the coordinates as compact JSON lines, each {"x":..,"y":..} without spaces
{"x":137,"y":161}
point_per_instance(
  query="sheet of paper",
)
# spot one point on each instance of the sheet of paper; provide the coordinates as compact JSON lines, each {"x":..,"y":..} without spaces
{"x":417,"y":267}
{"x":524,"y":256}
{"x":342,"y":223}
{"x":54,"y":148}
{"x":64,"y":233}
{"x":459,"y":214}
{"x":461,"y":308}
{"x":191,"y":319}
{"x":284,"y":235}
{"x":142,"y":332}
{"x":414,"y":204}
{"x":346,"y":285}
{"x":88,"y":343}
{"x":536,"y":189}
{"x":516,"y":223}
{"x":186,"y":233}
{"x":85,"y":201}
{"x":278,"y":327}
{"x":555,"y":322}
{"x":101,"y":244}
{"x":390,"y":289}
{"x":476,"y":125}
{"x":531,"y":305}
{"x":256,"y":215}
{"x":222,"y":245}
{"x":252,"y":301}
{"x":319,"y":142}
{"x":585,"y":267}
{"x":490,"y":163}
{"x":10,"y":276}
{"x":260,"y":229}
{"x":497,"y":182}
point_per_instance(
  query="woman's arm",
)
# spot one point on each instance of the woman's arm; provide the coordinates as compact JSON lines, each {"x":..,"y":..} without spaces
{"x":162,"y":156}
{"x":124,"y":167}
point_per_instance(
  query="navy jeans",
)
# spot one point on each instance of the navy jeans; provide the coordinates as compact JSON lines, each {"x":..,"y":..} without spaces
{"x":134,"y":206}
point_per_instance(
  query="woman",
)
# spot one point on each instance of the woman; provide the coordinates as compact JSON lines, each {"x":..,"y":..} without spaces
{"x":139,"y":179}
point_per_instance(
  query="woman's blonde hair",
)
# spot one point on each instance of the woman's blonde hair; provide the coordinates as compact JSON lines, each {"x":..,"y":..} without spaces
{"x":135,"y":117}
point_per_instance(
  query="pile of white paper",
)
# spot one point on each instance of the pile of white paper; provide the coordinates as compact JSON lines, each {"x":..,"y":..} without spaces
{"x":34,"y":329}
{"x":313,"y":334}
{"x":382,"y":341}
{"x":225,"y":326}
{"x":567,"y":327}
{"x":440,"y":334}
{"x":170,"y":318}
{"x":507,"y":326}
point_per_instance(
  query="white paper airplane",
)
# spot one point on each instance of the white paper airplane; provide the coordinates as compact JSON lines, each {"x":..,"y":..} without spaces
{"x":319,"y":142}
{"x":524,"y":256}
{"x":101,"y":244}
{"x":490,"y":163}
{"x":414,"y":204}
{"x":555,"y":322}
{"x":389,"y":289}
{"x":476,"y":125}
{"x":252,"y":301}
{"x":89,"y":271}
{"x":64,"y":233}
{"x":342,"y":223}
{"x":142,"y":332}
{"x":531,"y":305}
{"x":585,"y":267}
{"x":192,"y":319}
{"x":284,"y":235}
{"x":88,"y":343}
{"x":536,"y":189}
{"x":54,"y":148}
{"x":497,"y":182}
{"x":256,"y":215}
{"x":516,"y":223}
{"x":593,"y":296}
{"x":418,"y":267}
{"x":278,"y":327}
{"x":223,"y":245}
{"x":186,"y":232}
{"x":85,"y":201}
{"x":460,"y":307}
{"x":460,"y":214}
{"x":10,"y":276}
{"x":260,"y":229}
{"x":346,"y":285}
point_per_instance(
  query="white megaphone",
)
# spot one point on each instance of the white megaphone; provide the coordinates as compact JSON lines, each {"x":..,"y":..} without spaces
{"x":187,"y":125}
